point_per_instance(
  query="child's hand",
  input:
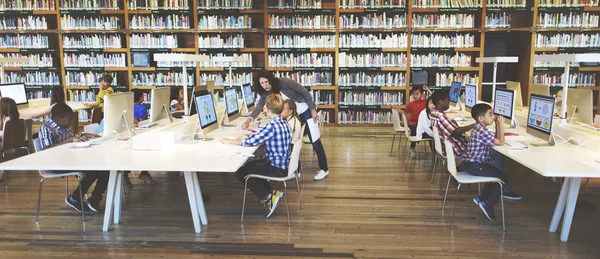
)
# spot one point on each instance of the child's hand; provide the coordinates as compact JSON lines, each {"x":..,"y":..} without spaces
{"x":500,"y":119}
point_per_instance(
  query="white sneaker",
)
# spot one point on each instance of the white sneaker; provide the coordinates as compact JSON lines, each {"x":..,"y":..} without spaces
{"x":321,"y":175}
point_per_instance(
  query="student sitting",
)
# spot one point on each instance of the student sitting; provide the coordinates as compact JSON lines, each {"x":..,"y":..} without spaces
{"x":424,"y":129}
{"x":8,"y":111}
{"x":448,"y":129}
{"x":277,"y":137}
{"x":476,"y":160}
{"x":176,"y":99}
{"x":57,"y":131}
{"x":412,"y":111}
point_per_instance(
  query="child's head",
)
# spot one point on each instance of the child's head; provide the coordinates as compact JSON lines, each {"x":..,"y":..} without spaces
{"x":430,"y":107}
{"x":558,"y":96}
{"x":417,"y":93}
{"x":265,"y":81}
{"x":57,"y":95}
{"x":482,"y":113}
{"x":8,"y":108}
{"x":61,"y":114}
{"x":138,"y":96}
{"x":289,"y":109}
{"x":177,"y":94}
{"x":274,"y":104}
{"x":105,"y":81}
{"x":441,"y":100}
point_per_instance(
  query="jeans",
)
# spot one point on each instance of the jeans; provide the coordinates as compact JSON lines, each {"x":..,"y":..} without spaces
{"x":413,"y":132}
{"x":491,"y":192}
{"x":101,"y":179}
{"x":426,"y":136}
{"x":497,"y":161}
{"x":317,"y":145}
{"x":261,"y":188}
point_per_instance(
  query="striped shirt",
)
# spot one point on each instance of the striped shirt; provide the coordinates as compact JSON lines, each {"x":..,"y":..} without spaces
{"x":445,"y":126}
{"x":277,"y":137}
{"x":51,"y":133}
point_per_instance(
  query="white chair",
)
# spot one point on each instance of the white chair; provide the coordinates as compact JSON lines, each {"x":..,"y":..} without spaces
{"x":439,"y":151}
{"x":93,"y":128}
{"x":398,"y":128}
{"x":411,"y":139}
{"x":465,"y":178}
{"x":292,"y":168}
{"x":51,"y":175}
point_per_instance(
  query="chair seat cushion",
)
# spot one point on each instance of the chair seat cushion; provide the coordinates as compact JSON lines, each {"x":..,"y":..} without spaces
{"x":463,"y":177}
{"x":271,"y":178}
{"x":50,"y":174}
{"x":414,"y":139}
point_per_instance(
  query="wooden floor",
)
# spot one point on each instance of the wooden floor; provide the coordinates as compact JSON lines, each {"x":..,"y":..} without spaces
{"x":368,"y":207}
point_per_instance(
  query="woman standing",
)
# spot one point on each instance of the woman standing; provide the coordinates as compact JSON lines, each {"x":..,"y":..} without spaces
{"x":266,"y":84}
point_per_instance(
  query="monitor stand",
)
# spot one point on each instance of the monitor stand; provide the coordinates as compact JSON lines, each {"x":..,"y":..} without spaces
{"x":129,"y":129}
{"x":536,"y":143}
{"x":223,"y":124}
{"x":199,"y":134}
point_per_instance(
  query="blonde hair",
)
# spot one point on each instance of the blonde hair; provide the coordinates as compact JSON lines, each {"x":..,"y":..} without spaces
{"x":275,"y":103}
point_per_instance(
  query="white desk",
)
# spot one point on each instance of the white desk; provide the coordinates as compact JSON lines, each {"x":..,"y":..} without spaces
{"x":116,"y":156}
{"x":41,"y":107}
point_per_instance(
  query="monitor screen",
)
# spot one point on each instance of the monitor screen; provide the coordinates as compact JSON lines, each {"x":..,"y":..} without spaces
{"x":206,"y":110}
{"x":470,"y":95}
{"x":540,"y":113}
{"x":454,"y":92}
{"x":140,"y":59}
{"x":15,"y":92}
{"x":248,"y":95}
{"x":231,"y":101}
{"x":504,"y":103}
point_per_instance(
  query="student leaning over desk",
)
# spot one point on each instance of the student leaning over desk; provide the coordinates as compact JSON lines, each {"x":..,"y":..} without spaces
{"x":104,"y":89}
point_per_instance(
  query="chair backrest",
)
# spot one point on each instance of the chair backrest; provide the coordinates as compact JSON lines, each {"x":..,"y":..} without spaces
{"x":37,"y":145}
{"x":295,"y":157}
{"x":450,"y":158}
{"x":14,"y":134}
{"x":396,"y":120}
{"x":97,"y":115}
{"x":405,"y":122}
{"x":91,"y":128}
{"x":437,"y":141}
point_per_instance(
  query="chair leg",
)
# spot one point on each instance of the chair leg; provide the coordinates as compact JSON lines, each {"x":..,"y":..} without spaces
{"x":502,"y":202}
{"x":81,"y":200}
{"x":407,"y":149}
{"x":455,"y":200}
{"x":298,"y":185}
{"x":287,"y":203}
{"x":244,"y":201}
{"x":393,"y":140}
{"x":433,"y":172}
{"x":479,"y":189}
{"x":67,"y":186}
{"x":446,"y":195}
{"x":37,"y":214}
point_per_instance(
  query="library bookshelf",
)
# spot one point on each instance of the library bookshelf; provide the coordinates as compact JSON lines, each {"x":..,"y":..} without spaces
{"x":357,"y":57}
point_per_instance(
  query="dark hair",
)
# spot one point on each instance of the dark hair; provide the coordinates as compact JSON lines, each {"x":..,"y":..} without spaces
{"x":61,"y":110}
{"x":417,"y":88}
{"x":107,"y":78}
{"x":427,"y":111}
{"x":438,"y":96}
{"x":137,"y":94}
{"x":57,"y":95}
{"x":175,"y":93}
{"x":275,"y":87}
{"x":8,"y":107}
{"x":479,"y":109}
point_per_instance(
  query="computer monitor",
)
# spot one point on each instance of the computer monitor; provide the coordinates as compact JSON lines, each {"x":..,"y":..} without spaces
{"x":15,"y":92}
{"x":470,"y":96}
{"x":248,"y":97}
{"x":582,"y":100}
{"x":193,"y":110}
{"x":540,"y":89}
{"x":206,"y":111}
{"x":516,"y":86}
{"x":231,"y":104}
{"x":118,"y":114}
{"x":160,"y":104}
{"x":539,"y":118}
{"x":454,"y":92}
{"x":504,"y":104}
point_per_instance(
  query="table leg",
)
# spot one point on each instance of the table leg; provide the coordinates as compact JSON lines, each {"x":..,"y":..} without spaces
{"x":110,"y":198}
{"x":560,"y":205}
{"x":191,"y":191}
{"x":199,"y":200}
{"x":118,"y":197}
{"x":570,"y":208}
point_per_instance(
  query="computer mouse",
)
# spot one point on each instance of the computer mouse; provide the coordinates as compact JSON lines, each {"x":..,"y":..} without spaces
{"x":82,"y":144}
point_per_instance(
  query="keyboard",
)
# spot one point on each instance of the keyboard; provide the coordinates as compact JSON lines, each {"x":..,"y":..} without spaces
{"x":514,"y":144}
{"x":147,"y":125}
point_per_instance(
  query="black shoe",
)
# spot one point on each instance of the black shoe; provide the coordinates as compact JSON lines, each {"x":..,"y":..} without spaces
{"x":487,"y":210}
{"x":127,"y":182}
{"x":75,"y":204}
{"x":512,"y":196}
{"x":94,"y":203}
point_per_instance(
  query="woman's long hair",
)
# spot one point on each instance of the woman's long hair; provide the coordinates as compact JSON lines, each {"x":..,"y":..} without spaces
{"x":275,"y":87}
{"x":8,"y":108}
{"x":427,"y":107}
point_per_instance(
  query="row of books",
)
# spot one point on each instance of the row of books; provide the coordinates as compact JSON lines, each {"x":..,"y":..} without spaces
{"x":152,"y":41}
{"x":323,"y":97}
{"x":159,"y":5}
{"x":568,"y":20}
{"x":216,"y":63}
{"x":33,"y":78}
{"x":567,"y":40}
{"x":223,"y":78}
{"x":373,"y":20}
{"x":89,"y":5}
{"x":372,"y":60}
{"x":92,"y":41}
{"x":221,"y":41}
{"x":177,"y":64}
{"x":149,"y":22}
{"x":301,"y":21}
{"x":38,"y":94}
{"x":445,"y":79}
{"x":69,"y":22}
{"x":458,"y":40}
{"x":372,"y":3}
{"x":35,"y":60}
{"x":370,"y":98}
{"x":161,"y":79}
{"x":369,"y":79}
{"x":446,"y":3}
{"x":365,"y":117}
{"x":34,"y":41}
{"x":301,"y":4}
{"x":440,"y":60}
{"x":380,"y":40}
{"x":27,"y":5}
{"x":224,"y":4}
{"x":23,"y":23}
{"x":498,"y":20}
{"x":569,"y":3}
{"x":308,"y":78}
{"x":301,"y":41}
{"x":301,"y":60}
{"x":81,"y":95}
{"x":506,"y":3}
{"x":209,"y":22}
{"x":575,"y":79}
{"x":94,"y":60}
{"x":86,"y":78}
{"x":443,"y":21}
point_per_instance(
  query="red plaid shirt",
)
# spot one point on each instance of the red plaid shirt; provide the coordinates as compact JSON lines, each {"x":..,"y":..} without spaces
{"x":478,"y":148}
{"x":445,"y":126}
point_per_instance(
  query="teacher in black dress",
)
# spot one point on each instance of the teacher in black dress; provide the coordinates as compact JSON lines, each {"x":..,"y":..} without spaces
{"x":266,"y":84}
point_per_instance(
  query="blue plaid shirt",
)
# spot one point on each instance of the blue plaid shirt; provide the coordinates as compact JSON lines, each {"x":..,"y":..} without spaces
{"x":478,"y":148}
{"x":51,"y":133}
{"x":277,"y":137}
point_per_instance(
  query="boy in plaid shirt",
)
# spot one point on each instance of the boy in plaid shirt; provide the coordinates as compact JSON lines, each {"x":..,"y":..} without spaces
{"x":476,"y":160}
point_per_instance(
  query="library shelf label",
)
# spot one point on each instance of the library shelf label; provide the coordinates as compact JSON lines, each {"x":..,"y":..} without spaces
{"x":361,"y":49}
{"x":551,"y":9}
{"x":38,"y":50}
{"x":576,"y":49}
{"x":289,"y":49}
{"x":84,"y":68}
{"x":451,"y":49}
{"x":359,"y":88}
{"x":315,"y":11}
{"x":360,"y":69}
{"x":219,"y":49}
{"x":390,"y":10}
{"x":432,"y":69}
{"x":456,"y":10}
{"x":39,"y":69}
{"x":507,"y":9}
